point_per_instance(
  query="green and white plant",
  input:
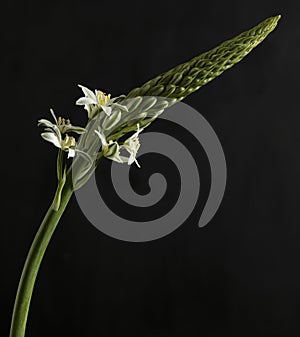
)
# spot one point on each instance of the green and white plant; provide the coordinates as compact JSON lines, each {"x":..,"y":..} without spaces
{"x":108,"y":120}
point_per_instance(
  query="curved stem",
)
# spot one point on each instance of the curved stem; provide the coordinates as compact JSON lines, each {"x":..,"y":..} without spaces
{"x":34,"y":259}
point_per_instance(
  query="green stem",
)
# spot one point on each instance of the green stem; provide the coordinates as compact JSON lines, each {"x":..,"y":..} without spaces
{"x":34,"y":259}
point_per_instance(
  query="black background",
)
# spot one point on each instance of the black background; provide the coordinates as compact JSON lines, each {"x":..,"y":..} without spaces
{"x":239,"y":276}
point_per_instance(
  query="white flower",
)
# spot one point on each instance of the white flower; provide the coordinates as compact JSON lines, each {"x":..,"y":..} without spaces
{"x":112,"y":149}
{"x":54,"y":133}
{"x":132,"y":145}
{"x":94,"y":101}
{"x":67,"y":144}
{"x":64,"y":125}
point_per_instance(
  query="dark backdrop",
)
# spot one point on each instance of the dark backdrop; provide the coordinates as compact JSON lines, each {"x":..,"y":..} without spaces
{"x":236,"y":277}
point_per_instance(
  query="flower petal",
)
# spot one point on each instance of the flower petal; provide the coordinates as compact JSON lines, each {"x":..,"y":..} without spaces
{"x":45,"y":123}
{"x":131,"y":159}
{"x":106,"y":109}
{"x":102,"y":137}
{"x":52,"y":138}
{"x":87,"y":92}
{"x":53,"y":115}
{"x":85,"y":101}
{"x":114,"y":153}
{"x":137,"y":164}
{"x":76,"y":129}
{"x":71,"y":153}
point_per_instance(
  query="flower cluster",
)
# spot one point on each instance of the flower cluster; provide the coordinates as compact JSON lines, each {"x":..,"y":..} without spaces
{"x":110,"y":111}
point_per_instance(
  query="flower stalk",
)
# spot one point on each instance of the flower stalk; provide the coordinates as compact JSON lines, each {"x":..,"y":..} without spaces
{"x":34,"y":259}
